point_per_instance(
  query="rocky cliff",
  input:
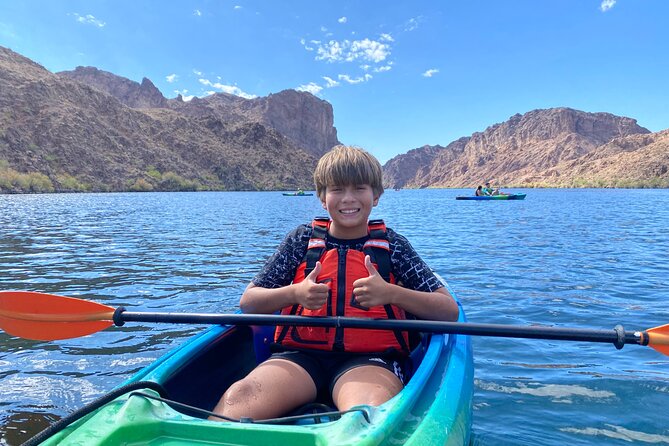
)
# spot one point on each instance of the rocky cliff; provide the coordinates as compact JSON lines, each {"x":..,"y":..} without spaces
{"x":540,"y":148}
{"x":91,"y":130}
{"x":130,"y":93}
{"x":299,"y":116}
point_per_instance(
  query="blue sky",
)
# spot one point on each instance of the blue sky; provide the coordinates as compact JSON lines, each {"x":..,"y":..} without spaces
{"x":399,"y":74}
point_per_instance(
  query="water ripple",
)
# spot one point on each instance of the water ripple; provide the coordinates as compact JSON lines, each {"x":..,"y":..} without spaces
{"x":575,"y":258}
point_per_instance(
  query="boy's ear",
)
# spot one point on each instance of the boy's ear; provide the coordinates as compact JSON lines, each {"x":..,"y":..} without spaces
{"x":323,"y":204}
{"x":376,"y":200}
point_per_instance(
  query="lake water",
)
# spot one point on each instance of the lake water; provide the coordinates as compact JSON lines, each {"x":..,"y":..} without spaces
{"x":576,"y":258}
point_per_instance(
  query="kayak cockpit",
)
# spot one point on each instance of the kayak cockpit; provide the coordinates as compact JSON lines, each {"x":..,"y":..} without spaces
{"x":229,"y":353}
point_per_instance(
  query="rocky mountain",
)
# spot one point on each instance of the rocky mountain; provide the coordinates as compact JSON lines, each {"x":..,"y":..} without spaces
{"x":301,"y":117}
{"x":91,"y":130}
{"x":403,"y":170}
{"x":130,"y":93}
{"x":558,"y":147}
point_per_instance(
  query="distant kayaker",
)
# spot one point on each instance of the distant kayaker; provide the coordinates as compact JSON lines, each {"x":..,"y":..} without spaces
{"x":488,"y":190}
{"x":479,"y":191}
{"x":306,"y":277}
{"x":300,"y":192}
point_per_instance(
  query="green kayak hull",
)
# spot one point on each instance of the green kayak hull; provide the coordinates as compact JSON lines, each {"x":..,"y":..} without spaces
{"x":435,"y":407}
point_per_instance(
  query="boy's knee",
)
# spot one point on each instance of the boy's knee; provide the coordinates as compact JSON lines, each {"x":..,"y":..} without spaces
{"x":241,"y":391}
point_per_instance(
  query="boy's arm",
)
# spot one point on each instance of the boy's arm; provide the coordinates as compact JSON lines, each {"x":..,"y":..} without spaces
{"x":308,"y":293}
{"x":373,"y":290}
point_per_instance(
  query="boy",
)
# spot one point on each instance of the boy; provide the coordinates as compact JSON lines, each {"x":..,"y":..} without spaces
{"x":326,"y":268}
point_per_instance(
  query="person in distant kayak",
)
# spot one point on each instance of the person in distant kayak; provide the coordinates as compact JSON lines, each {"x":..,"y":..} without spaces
{"x":479,"y":191}
{"x":300,"y":192}
{"x":344,"y":265}
{"x":488,"y":190}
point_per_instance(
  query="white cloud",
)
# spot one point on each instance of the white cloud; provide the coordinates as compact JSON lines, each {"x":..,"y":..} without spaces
{"x":385,"y":37}
{"x":411,"y":24}
{"x":366,"y":50}
{"x":89,"y":19}
{"x":184,"y":94}
{"x":171,"y":78}
{"x":303,"y":42}
{"x":197,"y":72}
{"x":237,"y":7}
{"x":383,"y":68}
{"x":329,"y":82}
{"x":357,"y":80}
{"x":607,"y":4}
{"x":431,"y":72}
{"x":342,"y":20}
{"x":311,"y":87}
{"x":230,"y":89}
{"x":197,"y":12}
{"x":332,"y":51}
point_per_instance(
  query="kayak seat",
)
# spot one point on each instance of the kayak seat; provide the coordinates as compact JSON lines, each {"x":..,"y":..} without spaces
{"x":263,"y":336}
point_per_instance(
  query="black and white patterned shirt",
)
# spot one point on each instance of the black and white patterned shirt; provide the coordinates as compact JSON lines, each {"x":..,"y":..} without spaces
{"x":407,"y":266}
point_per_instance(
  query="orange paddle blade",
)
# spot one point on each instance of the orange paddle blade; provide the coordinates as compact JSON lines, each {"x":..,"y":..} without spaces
{"x":46,"y":317}
{"x":658,"y":338}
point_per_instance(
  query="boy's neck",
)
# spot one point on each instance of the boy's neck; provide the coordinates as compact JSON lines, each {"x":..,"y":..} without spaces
{"x":344,"y":233}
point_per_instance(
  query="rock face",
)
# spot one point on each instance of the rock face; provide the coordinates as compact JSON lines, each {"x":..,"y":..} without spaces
{"x":91,"y":130}
{"x":130,"y":93}
{"x":539,"y":148}
{"x":414,"y":165}
{"x":299,"y":116}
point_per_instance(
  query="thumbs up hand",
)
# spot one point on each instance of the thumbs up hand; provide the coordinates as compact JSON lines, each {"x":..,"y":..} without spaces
{"x":311,"y":294}
{"x":372,"y":290}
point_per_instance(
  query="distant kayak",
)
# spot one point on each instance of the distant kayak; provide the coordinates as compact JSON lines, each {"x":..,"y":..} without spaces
{"x":493,"y":197}
{"x":297,"y":194}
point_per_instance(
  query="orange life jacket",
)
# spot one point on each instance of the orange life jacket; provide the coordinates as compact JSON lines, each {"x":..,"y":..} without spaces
{"x":340,"y":268}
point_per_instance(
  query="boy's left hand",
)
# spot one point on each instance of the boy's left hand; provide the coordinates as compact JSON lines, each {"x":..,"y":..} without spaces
{"x":371,"y":291}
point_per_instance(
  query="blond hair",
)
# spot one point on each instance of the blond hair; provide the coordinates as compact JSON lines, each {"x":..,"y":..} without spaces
{"x":348,"y":165}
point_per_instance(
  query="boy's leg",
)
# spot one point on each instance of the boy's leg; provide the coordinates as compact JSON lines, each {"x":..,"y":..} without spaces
{"x":272,"y":389}
{"x":367,"y":384}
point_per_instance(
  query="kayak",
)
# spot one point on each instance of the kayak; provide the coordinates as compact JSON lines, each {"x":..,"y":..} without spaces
{"x":295,"y":194}
{"x":162,"y":403}
{"x":492,"y":197}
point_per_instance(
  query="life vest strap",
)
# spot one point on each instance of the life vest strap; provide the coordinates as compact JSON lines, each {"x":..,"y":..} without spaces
{"x":316,"y":246}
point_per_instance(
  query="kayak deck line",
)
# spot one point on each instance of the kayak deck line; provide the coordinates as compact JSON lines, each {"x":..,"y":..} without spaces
{"x":333,"y":415}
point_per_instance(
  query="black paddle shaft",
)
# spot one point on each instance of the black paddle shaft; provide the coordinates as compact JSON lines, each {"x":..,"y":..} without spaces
{"x":616,"y":336}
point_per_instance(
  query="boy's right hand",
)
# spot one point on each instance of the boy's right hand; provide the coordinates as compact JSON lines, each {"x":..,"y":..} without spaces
{"x":311,"y":294}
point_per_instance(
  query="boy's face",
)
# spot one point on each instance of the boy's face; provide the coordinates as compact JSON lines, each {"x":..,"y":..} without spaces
{"x":349,"y":208}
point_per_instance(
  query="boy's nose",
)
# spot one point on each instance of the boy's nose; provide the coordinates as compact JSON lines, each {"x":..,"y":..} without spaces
{"x":348,"y":194}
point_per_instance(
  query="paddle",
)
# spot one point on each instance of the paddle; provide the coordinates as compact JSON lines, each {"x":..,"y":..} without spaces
{"x":48,"y":317}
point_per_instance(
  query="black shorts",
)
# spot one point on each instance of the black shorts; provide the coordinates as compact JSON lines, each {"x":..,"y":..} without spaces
{"x":325,"y":368}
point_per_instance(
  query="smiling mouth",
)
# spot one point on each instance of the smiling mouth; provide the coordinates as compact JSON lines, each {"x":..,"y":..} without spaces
{"x":349,"y":211}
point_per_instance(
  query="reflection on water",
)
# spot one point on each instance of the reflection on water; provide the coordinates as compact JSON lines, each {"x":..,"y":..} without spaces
{"x":19,"y":427}
{"x":582,"y":258}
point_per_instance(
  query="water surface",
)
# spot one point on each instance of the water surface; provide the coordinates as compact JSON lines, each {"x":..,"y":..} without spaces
{"x":578,"y":258}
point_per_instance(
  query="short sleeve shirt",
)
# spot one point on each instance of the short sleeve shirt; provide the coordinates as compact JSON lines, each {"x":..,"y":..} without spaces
{"x":406,"y":265}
